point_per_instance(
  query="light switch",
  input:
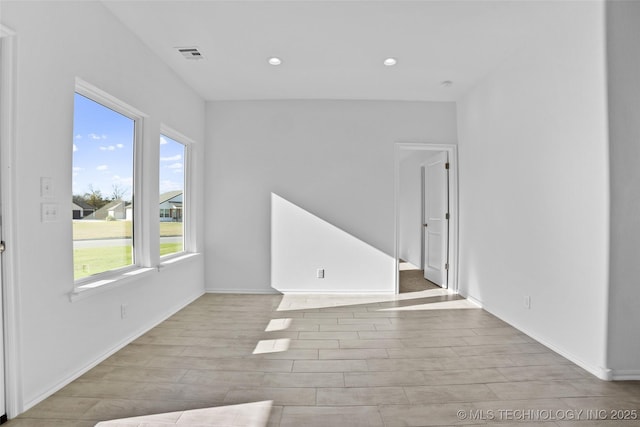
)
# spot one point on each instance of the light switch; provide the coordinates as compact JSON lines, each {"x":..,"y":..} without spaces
{"x":46,"y":187}
{"x":49,"y":212}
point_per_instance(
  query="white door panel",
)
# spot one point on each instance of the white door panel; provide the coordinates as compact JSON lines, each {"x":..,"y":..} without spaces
{"x":435,"y":225}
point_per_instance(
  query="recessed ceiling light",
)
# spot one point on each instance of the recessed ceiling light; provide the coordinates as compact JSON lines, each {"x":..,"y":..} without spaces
{"x":274,"y":60}
{"x":446,"y":83}
{"x":390,"y":62}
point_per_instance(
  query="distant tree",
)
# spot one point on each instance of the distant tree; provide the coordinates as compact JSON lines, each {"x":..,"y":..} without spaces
{"x":77,"y":198}
{"x":94,"y":198}
{"x":117,"y":192}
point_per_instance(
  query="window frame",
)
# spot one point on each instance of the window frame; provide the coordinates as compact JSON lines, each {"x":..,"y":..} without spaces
{"x":188,"y":241}
{"x":140,"y":247}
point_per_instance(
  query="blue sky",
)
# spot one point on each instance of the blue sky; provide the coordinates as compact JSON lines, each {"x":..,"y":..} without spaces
{"x":171,"y":165}
{"x":103,"y":152}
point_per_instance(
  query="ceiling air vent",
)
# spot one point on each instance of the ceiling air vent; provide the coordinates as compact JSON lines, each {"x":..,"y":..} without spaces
{"x":190,"y":52}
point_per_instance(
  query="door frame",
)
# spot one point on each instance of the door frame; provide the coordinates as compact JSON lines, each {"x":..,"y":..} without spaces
{"x":452,"y":151}
{"x":10,"y":288}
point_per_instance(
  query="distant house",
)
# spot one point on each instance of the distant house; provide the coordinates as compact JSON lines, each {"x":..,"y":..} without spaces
{"x":82,"y":209}
{"x":170,"y":209}
{"x":77,"y":211}
{"x":115,"y":209}
{"x":171,"y":206}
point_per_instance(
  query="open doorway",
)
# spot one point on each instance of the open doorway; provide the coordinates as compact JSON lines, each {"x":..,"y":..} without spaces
{"x":426,"y":217}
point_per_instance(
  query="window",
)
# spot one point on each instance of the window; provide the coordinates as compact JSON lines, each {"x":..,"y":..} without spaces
{"x":104,"y":139}
{"x":172,"y":196}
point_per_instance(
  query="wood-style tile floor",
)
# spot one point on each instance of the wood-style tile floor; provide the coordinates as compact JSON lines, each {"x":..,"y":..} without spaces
{"x":419,"y":359}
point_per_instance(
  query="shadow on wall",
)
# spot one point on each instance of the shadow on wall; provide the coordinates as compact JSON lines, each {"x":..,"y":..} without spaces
{"x":303,"y":244}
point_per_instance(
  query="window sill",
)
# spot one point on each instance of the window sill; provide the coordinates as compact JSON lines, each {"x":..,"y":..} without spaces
{"x":116,"y":280}
{"x":174,"y":259}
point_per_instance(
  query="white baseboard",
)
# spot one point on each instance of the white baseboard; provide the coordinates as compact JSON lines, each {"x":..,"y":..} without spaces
{"x":333,"y":293}
{"x":625,"y":375}
{"x":471,"y":300}
{"x":109,"y":353}
{"x":598,"y":371}
{"x":242,"y":291}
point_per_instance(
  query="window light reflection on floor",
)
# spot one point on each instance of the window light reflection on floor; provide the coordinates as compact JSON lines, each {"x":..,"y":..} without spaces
{"x":278,"y":325}
{"x":439,"y":305}
{"x":272,"y":346}
{"x":252,"y":414}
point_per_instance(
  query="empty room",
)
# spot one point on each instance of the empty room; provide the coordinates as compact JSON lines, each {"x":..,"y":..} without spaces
{"x":297,"y":213}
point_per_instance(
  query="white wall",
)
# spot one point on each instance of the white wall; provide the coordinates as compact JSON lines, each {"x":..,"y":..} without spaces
{"x":332,"y":159}
{"x":57,"y":42}
{"x":534,"y":187}
{"x":410,"y":207}
{"x":623,"y":33}
{"x":302,"y":243}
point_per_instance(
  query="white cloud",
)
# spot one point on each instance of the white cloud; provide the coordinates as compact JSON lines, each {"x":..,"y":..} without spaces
{"x":77,"y":169}
{"x":78,"y":136}
{"x":102,"y":168}
{"x":75,"y":148}
{"x":168,"y":185}
{"x":107,"y":148}
{"x":171,"y":158}
{"x":94,"y":136}
{"x":175,"y":166}
{"x":120,"y":145}
{"x":75,"y":174}
{"x":123,"y":182}
{"x":163,"y":140}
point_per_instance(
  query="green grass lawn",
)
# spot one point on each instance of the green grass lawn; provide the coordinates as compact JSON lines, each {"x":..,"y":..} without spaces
{"x":90,"y":261}
{"x":170,"y":248}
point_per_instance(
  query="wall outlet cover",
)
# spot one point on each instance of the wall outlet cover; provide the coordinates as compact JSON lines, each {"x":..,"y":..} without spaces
{"x":49,"y":212}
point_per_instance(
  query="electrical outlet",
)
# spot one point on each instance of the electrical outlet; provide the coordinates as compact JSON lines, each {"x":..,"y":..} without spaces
{"x":320,"y":273}
{"x":527,"y":302}
{"x":49,"y":212}
{"x":123,"y":311}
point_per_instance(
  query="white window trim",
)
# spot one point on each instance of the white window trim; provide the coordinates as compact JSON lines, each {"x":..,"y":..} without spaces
{"x":188,"y":216}
{"x":140,"y":246}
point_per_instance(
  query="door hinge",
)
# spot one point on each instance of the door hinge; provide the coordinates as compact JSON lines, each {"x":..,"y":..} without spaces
{"x":446,"y":266}
{"x":447,"y":215}
{"x":3,"y":247}
{"x":446,"y":165}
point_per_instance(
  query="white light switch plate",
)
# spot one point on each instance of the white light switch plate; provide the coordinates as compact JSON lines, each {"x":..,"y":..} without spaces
{"x":46,"y":187}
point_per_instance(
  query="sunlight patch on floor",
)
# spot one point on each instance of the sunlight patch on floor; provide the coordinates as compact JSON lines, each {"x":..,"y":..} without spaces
{"x":404,"y":266}
{"x":328,"y":301}
{"x":254,"y":414}
{"x":278,"y":325}
{"x":272,"y":346}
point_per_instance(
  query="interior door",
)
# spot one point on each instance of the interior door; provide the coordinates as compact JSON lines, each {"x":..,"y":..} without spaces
{"x":435,"y":218}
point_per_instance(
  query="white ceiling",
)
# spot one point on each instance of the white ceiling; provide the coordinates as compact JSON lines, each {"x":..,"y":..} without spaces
{"x":333,"y":49}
